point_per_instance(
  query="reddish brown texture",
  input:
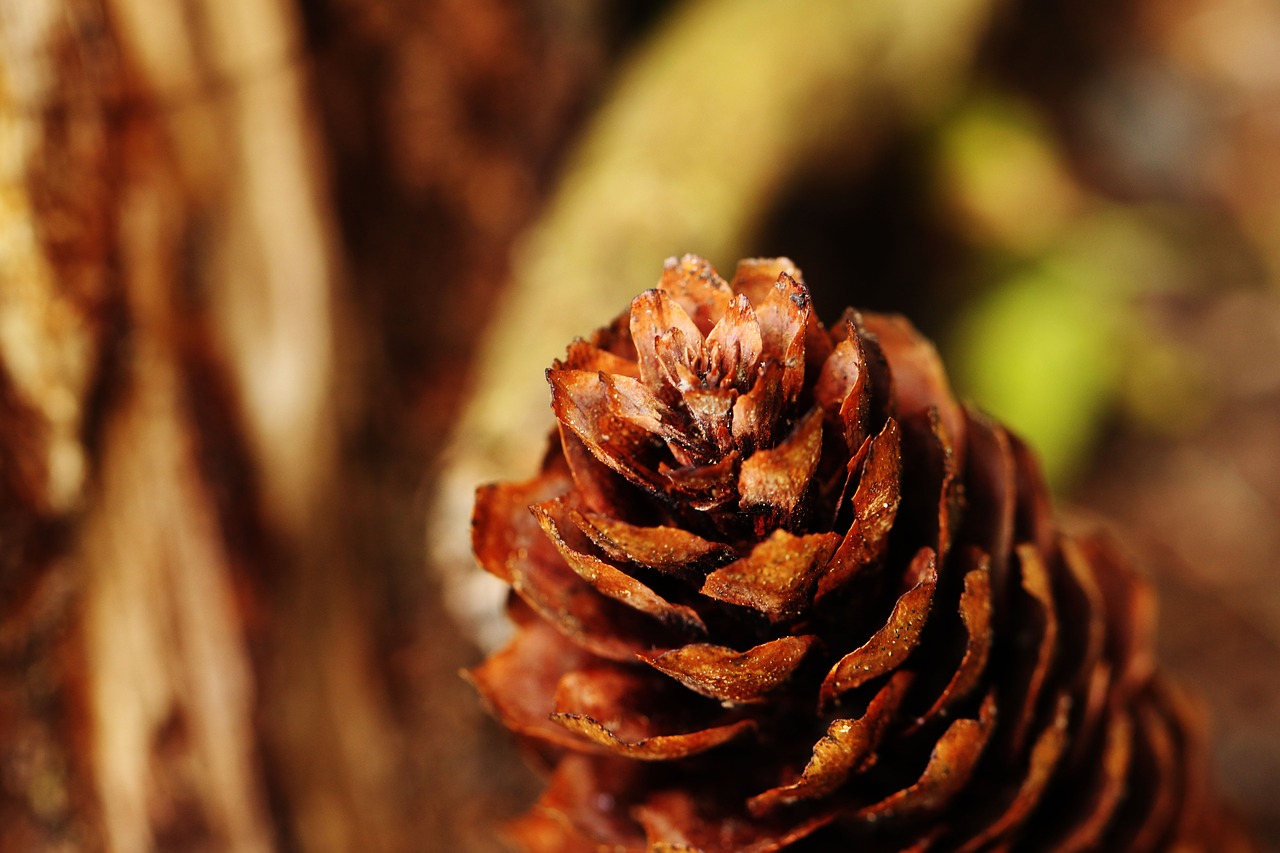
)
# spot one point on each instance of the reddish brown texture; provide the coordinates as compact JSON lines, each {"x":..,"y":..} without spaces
{"x":627,"y":712}
{"x":825,"y":605}
{"x":1041,"y":636}
{"x":848,"y":745}
{"x":842,"y":386}
{"x":518,"y":683}
{"x":920,"y":383}
{"x":875,"y":504}
{"x":1043,"y":758}
{"x":888,"y":647}
{"x":776,"y":576}
{"x":569,"y":817}
{"x":1104,"y":792}
{"x":608,"y":580}
{"x":666,"y":549}
{"x":731,"y":676}
{"x":991,"y":493}
{"x":975,"y":612}
{"x":675,"y":822}
{"x":951,"y":764}
{"x":776,"y":478}
{"x":505,"y":530}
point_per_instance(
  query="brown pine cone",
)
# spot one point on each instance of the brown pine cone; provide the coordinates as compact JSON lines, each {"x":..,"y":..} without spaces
{"x":775,"y":589}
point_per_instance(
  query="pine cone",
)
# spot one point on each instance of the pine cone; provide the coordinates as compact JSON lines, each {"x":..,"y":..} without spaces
{"x":775,"y":589}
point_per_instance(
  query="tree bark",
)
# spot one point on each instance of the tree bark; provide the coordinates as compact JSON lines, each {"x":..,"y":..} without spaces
{"x":179,"y":610}
{"x":216,"y":631}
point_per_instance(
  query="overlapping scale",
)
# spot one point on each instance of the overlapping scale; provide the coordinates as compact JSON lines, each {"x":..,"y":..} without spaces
{"x":778,"y":590}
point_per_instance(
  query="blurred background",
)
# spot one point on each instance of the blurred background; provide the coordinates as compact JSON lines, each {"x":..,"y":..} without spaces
{"x":279,"y":278}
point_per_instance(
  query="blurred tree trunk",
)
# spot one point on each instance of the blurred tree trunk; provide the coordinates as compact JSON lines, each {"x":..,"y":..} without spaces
{"x":184,"y":640}
{"x":215,"y":628}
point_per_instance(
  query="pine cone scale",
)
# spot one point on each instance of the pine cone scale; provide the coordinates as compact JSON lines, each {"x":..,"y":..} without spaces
{"x":848,"y":745}
{"x":722,"y":673}
{"x":772,"y":482}
{"x":776,"y":576}
{"x":607,"y":579}
{"x":889,"y":647}
{"x":1153,"y":813}
{"x":1040,"y":627}
{"x":580,"y":401}
{"x":518,"y":683}
{"x":546,"y":583}
{"x":1087,"y":826}
{"x":951,"y":765}
{"x":975,"y":616}
{"x":669,"y":550}
{"x":1084,"y":616}
{"x":626,"y":712}
{"x":991,"y":497}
